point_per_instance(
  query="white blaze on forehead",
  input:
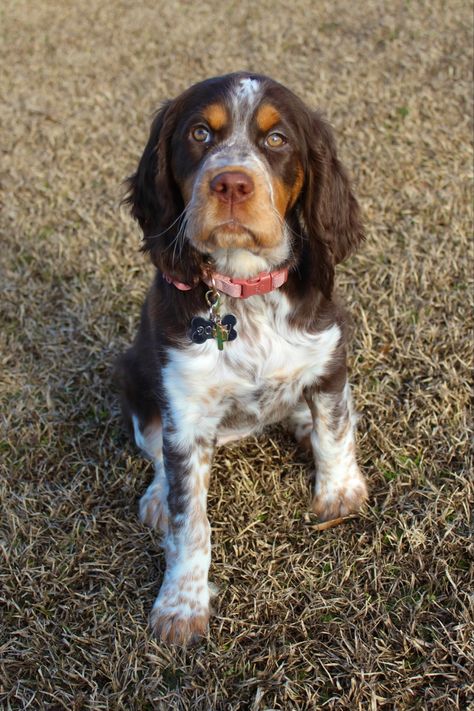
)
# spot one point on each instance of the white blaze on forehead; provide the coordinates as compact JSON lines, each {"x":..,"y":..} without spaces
{"x":245,"y":96}
{"x":248,"y":89}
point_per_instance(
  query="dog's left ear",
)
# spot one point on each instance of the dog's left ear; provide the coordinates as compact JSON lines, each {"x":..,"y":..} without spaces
{"x":330,"y":210}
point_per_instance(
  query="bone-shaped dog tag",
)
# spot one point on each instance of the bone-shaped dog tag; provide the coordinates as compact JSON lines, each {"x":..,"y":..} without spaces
{"x":221,"y":329}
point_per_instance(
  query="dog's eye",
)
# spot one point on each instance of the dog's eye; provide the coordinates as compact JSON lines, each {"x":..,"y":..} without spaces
{"x":275,"y":140}
{"x":201,"y":134}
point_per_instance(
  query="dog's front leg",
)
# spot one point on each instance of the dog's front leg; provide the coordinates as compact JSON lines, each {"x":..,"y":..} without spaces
{"x":181,"y":610}
{"x":339,"y":487}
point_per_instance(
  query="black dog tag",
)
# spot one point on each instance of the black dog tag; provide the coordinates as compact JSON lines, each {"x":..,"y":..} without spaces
{"x":221,"y":329}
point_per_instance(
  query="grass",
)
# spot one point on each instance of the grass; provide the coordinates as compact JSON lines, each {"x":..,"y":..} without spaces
{"x":374,"y":614}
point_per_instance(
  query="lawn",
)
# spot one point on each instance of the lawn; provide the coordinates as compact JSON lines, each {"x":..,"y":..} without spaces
{"x":373,"y":614}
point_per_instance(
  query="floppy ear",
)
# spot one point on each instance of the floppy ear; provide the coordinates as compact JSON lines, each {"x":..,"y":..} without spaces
{"x":330,"y":210}
{"x":157,"y":204}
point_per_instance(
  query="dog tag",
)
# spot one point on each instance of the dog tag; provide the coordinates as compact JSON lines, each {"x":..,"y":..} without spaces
{"x":213,"y":327}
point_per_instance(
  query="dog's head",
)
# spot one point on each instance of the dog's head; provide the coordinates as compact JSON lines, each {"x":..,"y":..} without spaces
{"x":238,"y":172}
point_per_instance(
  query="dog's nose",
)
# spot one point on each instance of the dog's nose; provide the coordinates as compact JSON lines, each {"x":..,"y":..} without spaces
{"x":232,"y":187}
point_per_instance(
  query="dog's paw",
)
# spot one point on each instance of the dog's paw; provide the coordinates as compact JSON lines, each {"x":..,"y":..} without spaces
{"x":179,"y":619}
{"x":154,"y":507}
{"x":336,"y":500}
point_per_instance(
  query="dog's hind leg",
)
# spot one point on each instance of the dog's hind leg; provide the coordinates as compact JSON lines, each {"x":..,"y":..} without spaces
{"x":300,"y":424}
{"x":154,"y":502}
{"x":142,"y":416}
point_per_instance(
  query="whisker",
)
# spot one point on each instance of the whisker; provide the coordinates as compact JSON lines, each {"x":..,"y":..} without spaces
{"x":160,"y":234}
{"x":180,"y":236}
{"x":177,"y":236}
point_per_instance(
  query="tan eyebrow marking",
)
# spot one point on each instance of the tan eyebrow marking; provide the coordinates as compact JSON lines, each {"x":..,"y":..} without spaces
{"x":216,"y":116}
{"x":267,"y":117}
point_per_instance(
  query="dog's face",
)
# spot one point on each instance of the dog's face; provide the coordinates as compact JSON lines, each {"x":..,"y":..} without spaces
{"x":239,"y":163}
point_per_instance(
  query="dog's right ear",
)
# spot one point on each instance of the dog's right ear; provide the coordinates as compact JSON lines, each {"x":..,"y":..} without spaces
{"x":152,"y":193}
{"x":157,"y":204}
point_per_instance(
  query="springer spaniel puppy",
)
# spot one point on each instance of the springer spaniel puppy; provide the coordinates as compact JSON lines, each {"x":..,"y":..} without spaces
{"x":245,"y":210}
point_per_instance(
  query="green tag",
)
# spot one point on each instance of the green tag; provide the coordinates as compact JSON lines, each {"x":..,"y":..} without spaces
{"x":221,"y":334}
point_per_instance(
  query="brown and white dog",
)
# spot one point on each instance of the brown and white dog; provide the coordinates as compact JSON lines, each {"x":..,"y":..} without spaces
{"x":239,"y":191}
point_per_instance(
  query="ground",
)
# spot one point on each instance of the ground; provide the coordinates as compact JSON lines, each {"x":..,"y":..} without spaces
{"x":372,"y":614}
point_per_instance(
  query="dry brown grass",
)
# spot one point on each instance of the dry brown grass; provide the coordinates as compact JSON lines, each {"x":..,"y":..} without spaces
{"x":373,"y":614}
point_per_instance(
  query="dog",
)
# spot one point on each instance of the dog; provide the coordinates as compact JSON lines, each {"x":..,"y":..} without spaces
{"x":245,"y":211}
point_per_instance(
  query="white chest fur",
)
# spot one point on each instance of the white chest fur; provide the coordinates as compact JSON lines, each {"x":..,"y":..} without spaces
{"x":258,"y":378}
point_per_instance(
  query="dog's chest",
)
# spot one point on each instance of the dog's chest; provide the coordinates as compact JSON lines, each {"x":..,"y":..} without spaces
{"x":260,"y":376}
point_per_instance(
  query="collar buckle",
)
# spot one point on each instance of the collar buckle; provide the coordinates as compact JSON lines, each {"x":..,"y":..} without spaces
{"x":261,"y":284}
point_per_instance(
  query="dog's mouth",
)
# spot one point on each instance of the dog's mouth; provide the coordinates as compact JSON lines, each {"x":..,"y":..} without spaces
{"x":231,"y":234}
{"x":232,"y":225}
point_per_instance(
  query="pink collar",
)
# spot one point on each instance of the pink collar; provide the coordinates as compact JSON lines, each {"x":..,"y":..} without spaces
{"x":263,"y":283}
